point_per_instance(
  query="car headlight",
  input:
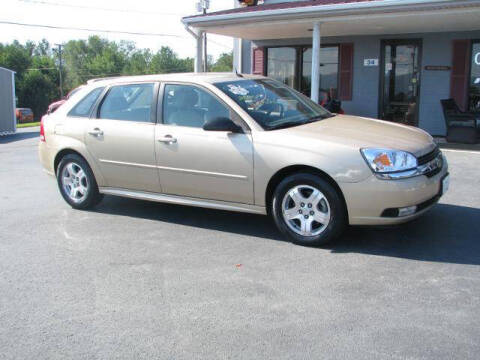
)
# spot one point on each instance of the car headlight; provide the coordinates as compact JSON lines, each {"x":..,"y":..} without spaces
{"x":384,"y":161}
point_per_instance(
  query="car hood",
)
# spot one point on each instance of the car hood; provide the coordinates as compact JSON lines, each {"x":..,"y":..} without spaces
{"x":360,"y":132}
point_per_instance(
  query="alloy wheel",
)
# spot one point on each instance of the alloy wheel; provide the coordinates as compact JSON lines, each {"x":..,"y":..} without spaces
{"x":306,"y":210}
{"x":75,"y":182}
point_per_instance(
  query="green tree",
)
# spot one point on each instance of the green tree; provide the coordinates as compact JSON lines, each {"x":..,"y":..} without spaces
{"x":138,"y":62}
{"x":36,"y":92}
{"x":37,"y":66}
{"x":15,"y":57}
{"x":95,"y":57}
{"x":223,"y":64}
{"x":167,"y":61}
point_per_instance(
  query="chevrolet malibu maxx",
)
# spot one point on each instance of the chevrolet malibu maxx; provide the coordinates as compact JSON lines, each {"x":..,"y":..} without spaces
{"x":239,"y":143}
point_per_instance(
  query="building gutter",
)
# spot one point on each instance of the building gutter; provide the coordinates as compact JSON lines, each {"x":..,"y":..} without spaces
{"x":198,"y":64}
{"x":325,"y":11}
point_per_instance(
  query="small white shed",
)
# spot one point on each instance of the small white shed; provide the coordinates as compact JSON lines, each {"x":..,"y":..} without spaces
{"x":8,"y":121}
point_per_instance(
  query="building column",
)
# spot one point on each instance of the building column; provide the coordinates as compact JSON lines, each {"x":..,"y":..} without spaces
{"x":237,"y":55}
{"x":315,"y":62}
{"x":198,"y":65}
{"x":237,"y":48}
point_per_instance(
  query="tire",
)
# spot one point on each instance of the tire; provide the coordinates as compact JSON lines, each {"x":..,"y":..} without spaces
{"x":77,"y":183}
{"x":302,"y":199}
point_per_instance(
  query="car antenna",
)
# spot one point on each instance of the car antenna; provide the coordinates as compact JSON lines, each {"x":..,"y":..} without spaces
{"x":237,"y":73}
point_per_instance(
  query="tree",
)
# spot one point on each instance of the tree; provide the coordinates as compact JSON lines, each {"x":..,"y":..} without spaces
{"x":36,"y":92}
{"x":15,"y":57}
{"x":167,"y":61}
{"x":138,"y":62}
{"x":37,"y":66}
{"x":95,"y":57}
{"x":224,"y":63}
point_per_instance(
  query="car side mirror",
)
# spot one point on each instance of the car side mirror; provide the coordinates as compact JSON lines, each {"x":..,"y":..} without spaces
{"x":222,"y":124}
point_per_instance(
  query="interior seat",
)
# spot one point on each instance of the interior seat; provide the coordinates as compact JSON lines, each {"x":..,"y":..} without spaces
{"x":186,"y":113}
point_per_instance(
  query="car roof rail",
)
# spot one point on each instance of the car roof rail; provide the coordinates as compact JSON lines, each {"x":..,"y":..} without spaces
{"x":91,"y":81}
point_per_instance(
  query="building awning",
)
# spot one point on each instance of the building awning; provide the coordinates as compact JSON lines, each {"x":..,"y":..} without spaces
{"x":340,"y":18}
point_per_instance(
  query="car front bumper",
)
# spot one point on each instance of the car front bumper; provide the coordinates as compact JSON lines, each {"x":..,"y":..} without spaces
{"x":370,"y":202}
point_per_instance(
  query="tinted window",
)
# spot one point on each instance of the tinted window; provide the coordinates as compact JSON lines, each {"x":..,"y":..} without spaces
{"x":186,"y":105}
{"x":272,"y":104}
{"x":128,"y":102}
{"x":84,"y":107}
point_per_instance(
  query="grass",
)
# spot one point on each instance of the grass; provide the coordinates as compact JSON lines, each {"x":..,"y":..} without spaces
{"x":28,"y":124}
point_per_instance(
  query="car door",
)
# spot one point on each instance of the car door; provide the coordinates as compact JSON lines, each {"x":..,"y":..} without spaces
{"x":120,"y":136}
{"x":215,"y":165}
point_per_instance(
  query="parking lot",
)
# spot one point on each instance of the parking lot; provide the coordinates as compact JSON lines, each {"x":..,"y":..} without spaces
{"x":140,"y":280}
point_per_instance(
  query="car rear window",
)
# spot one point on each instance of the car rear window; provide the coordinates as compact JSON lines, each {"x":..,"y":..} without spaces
{"x":84,"y":107}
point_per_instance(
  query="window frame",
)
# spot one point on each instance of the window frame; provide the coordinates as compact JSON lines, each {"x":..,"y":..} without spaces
{"x":153,"y":109}
{"x":235,"y":117}
{"x":299,"y":61}
{"x":94,"y":106}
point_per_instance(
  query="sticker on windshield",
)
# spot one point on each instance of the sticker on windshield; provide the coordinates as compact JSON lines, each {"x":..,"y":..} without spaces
{"x":237,"y":90}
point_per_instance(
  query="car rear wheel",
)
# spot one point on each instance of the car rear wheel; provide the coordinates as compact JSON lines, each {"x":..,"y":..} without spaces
{"x":77,"y":183}
{"x":308,"y":210}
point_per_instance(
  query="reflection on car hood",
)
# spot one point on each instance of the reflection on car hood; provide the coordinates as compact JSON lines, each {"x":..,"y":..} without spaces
{"x":363,"y":132}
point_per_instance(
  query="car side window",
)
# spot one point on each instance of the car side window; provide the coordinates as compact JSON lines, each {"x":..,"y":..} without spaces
{"x":131,"y":102}
{"x":84,"y":106}
{"x":186,"y":105}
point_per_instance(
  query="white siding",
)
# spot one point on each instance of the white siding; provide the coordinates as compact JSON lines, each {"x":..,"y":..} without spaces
{"x":7,"y":102}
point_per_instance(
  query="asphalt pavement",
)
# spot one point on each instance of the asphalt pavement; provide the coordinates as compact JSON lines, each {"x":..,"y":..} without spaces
{"x":139,"y":280}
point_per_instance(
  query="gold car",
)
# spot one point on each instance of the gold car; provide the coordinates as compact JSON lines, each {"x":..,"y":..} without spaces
{"x":240,"y":143}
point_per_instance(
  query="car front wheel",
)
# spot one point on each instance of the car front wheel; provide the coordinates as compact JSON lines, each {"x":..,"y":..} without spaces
{"x":308,"y":210}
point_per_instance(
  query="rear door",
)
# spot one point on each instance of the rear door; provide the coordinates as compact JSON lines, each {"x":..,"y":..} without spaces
{"x":214,"y":165}
{"x":120,"y":137}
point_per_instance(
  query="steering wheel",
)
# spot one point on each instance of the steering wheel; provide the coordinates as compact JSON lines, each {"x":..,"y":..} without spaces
{"x":273,"y":107}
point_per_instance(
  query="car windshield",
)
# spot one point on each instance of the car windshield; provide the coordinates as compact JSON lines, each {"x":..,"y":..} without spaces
{"x":272,"y":104}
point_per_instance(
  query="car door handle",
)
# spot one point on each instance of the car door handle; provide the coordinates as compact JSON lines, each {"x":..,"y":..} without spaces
{"x":96,"y":132}
{"x":167,"y":139}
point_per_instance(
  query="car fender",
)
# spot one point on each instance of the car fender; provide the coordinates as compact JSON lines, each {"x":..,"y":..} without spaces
{"x":272,"y":154}
{"x":65,"y":144}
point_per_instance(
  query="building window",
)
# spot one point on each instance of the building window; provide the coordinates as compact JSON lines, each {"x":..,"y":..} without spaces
{"x":474,"y":84}
{"x":282,"y":65}
{"x":328,"y":71}
{"x":293,"y":66}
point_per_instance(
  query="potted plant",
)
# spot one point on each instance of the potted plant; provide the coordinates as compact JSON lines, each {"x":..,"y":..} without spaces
{"x":248,"y":2}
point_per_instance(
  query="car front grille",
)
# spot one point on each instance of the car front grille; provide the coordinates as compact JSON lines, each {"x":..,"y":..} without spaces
{"x":422,"y":160}
{"x":432,"y":163}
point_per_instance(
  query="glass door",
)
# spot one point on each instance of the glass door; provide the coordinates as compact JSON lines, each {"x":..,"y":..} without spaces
{"x":401,"y":67}
{"x":474,"y":88}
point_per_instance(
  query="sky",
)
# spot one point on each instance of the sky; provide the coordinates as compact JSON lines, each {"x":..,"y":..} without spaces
{"x":139,"y":16}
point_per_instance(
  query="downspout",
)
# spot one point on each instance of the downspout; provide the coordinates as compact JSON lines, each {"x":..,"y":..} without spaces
{"x":198,"y":64}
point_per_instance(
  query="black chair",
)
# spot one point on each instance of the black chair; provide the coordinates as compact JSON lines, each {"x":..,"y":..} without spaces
{"x":461,"y":126}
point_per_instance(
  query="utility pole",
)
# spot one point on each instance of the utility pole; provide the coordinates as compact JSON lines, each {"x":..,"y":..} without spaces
{"x":60,"y":46}
{"x":203,"y":6}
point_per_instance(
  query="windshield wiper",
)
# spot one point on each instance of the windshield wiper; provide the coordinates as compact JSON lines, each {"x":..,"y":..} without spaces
{"x":287,"y":125}
{"x":320,"y":117}
{"x":298,"y":123}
